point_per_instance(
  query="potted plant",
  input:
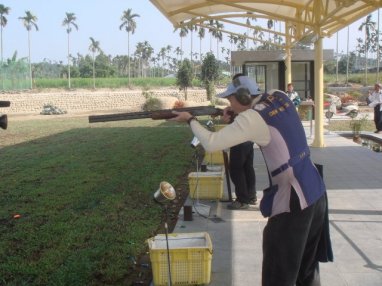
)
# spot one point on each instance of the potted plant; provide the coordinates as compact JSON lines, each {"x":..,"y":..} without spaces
{"x":357,"y":126}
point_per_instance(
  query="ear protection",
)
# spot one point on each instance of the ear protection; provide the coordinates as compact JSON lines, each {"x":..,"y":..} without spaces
{"x":243,"y":96}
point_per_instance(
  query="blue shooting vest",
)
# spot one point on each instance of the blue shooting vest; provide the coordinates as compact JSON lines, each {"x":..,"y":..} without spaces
{"x":287,"y":156}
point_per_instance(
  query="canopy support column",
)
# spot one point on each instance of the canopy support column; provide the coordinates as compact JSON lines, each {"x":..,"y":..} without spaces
{"x":318,"y":95}
{"x":288,"y":57}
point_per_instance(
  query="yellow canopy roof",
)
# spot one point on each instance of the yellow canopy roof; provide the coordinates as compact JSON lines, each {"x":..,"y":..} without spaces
{"x":304,"y":19}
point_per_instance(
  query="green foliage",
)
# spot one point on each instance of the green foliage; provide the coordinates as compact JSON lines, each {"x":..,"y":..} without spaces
{"x":355,"y":94}
{"x":210,"y":74}
{"x":14,"y":74}
{"x":184,"y":76}
{"x":85,"y":205}
{"x":152,"y":103}
{"x":210,"y":69}
{"x":357,"y":125}
{"x":112,"y":82}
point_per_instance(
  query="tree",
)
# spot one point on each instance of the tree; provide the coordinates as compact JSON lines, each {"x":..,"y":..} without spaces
{"x":270,"y":24}
{"x":144,"y":52}
{"x":69,"y":21}
{"x":210,"y":73}
{"x":128,"y":22}
{"x":29,"y":21}
{"x":184,"y":76}
{"x":3,"y":22}
{"x":17,"y":71}
{"x":346,"y":63}
{"x":182,"y":33}
{"x":369,"y":26}
{"x":201,"y":35}
{"x":191,"y":28}
{"x":94,"y":48}
{"x":217,"y":34}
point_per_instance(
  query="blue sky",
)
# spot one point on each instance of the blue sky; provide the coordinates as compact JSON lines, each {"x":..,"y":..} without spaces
{"x":100,"y":19}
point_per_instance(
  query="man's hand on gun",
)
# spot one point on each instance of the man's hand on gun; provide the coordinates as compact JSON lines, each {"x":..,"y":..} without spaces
{"x":181,"y":116}
{"x":228,"y":115}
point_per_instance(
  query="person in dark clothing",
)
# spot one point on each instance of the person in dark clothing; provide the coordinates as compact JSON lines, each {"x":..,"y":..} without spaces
{"x":242,"y":175}
{"x":242,"y":172}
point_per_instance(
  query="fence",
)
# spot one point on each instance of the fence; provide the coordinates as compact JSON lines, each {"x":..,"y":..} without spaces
{"x":14,"y":75}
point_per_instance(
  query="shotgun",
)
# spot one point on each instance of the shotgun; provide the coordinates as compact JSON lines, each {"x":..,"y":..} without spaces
{"x":157,"y":114}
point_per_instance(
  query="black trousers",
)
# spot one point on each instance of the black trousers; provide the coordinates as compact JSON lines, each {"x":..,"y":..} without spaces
{"x":290,"y":242}
{"x":378,"y":118}
{"x":242,"y":172}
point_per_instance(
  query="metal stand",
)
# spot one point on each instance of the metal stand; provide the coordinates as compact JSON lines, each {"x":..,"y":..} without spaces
{"x":168,"y":248}
{"x":329,"y":115}
{"x":201,"y":209}
{"x":228,"y":177}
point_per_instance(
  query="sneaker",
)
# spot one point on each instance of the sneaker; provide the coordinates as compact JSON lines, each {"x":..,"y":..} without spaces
{"x":253,"y":201}
{"x":236,"y":205}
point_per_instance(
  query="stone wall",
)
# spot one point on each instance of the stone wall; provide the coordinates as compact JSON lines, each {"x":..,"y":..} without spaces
{"x":76,"y":101}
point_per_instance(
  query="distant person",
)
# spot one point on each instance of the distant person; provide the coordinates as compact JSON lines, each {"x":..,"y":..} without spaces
{"x":374,"y":100}
{"x":293,"y":95}
{"x":241,"y":170}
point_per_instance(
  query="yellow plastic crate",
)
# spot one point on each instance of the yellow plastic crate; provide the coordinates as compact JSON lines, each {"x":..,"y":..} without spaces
{"x":219,"y":126}
{"x":206,"y":185}
{"x":214,"y":158}
{"x":190,"y":258}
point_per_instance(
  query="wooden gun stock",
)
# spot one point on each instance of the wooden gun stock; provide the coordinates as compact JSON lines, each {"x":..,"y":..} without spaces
{"x":157,"y":114}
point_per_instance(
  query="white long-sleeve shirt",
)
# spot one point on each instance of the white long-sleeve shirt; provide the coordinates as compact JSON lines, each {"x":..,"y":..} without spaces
{"x":375,"y":98}
{"x":247,"y":126}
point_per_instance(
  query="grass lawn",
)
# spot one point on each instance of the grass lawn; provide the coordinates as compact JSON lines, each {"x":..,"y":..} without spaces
{"x":76,"y":199}
{"x":345,"y":125}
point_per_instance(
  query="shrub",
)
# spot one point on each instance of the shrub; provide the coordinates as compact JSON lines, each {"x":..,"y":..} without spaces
{"x":152,"y":103}
{"x":346,"y":98}
{"x":357,"y":125}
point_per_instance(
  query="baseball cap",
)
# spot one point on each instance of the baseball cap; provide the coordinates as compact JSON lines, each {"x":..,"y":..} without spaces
{"x":241,"y":82}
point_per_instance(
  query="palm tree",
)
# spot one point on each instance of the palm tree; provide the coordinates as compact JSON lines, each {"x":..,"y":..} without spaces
{"x":378,"y":48}
{"x":94,"y":48}
{"x":248,"y":23}
{"x":270,"y":24}
{"x":347,"y":57}
{"x":191,"y":28}
{"x":3,"y":22}
{"x":29,"y":21}
{"x":130,"y":25}
{"x":68,"y":22}
{"x":217,"y":33}
{"x":201,"y":35}
{"x":162,"y":55}
{"x":369,"y":26}
{"x":182,"y":33}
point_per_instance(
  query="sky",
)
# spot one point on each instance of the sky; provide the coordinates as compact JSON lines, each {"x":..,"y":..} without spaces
{"x":100,"y":19}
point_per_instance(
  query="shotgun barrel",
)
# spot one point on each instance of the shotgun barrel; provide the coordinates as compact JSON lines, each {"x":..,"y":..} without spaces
{"x":5,"y":103}
{"x":157,"y":114}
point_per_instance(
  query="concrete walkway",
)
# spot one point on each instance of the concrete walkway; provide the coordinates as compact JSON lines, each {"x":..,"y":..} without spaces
{"x":353,"y":176}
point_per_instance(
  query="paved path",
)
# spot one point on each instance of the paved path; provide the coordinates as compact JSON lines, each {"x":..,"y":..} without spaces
{"x":353,"y":176}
